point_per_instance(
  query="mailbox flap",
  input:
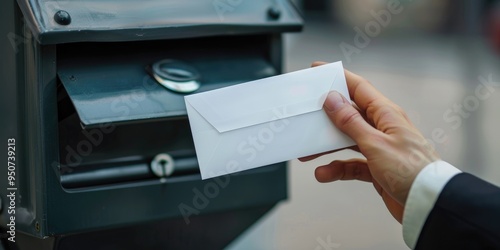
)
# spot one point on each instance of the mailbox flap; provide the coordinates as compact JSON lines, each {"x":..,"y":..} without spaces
{"x":109,"y":82}
{"x":63,"y":21}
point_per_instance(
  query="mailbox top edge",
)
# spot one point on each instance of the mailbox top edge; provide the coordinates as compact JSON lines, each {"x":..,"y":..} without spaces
{"x":65,"y":21}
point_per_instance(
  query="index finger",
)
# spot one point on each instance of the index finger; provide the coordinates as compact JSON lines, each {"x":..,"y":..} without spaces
{"x":363,"y":93}
{"x":378,"y":109}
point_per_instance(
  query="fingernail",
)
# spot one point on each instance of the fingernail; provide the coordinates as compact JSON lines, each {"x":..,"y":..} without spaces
{"x":334,"y":101}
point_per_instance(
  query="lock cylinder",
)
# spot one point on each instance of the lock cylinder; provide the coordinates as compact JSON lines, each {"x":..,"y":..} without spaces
{"x":162,"y":165}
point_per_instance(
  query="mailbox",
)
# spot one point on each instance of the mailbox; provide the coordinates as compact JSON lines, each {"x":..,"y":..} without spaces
{"x":105,"y":154}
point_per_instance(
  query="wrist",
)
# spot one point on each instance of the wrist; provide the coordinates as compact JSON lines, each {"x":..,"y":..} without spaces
{"x":423,"y":194}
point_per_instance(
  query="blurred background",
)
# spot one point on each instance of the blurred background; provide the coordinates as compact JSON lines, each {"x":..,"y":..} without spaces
{"x":428,"y":56}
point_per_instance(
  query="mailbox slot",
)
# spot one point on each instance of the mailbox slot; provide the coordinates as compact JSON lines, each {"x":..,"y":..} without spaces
{"x":114,"y":118}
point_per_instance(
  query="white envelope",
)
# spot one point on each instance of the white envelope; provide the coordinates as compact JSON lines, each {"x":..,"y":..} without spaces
{"x":267,"y":121}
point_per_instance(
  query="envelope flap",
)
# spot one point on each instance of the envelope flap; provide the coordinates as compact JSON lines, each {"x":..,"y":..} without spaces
{"x":267,"y":99}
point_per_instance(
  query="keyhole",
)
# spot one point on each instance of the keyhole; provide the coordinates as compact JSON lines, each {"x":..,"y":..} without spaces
{"x":163,"y":164}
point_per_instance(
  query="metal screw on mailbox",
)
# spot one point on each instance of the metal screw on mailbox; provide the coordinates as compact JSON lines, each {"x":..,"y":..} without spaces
{"x":274,"y":12}
{"x":162,"y":165}
{"x":62,"y":17}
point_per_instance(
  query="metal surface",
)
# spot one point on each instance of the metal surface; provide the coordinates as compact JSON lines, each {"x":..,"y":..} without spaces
{"x":111,"y":20}
{"x":203,"y":232}
{"x":94,"y":208}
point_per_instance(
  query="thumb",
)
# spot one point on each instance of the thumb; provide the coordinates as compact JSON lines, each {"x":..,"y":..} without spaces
{"x":346,"y":117}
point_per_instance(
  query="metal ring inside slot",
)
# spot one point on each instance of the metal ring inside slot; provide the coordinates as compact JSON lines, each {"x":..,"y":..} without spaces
{"x":176,"y":76}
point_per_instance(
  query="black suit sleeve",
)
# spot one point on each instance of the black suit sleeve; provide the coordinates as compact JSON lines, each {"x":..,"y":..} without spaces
{"x":465,"y":216}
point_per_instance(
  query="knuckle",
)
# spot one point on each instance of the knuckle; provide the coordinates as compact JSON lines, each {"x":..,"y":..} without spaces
{"x":372,"y":143}
{"x":402,"y":113}
{"x":385,"y":113}
{"x":400,"y":110}
{"x":356,"y":171}
{"x":373,"y":107}
{"x":348,"y":117}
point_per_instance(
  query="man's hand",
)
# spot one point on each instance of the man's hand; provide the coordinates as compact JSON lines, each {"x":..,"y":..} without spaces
{"x":395,"y":150}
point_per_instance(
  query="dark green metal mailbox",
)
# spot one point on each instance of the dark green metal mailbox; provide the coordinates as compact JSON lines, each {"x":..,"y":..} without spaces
{"x":104,"y":153}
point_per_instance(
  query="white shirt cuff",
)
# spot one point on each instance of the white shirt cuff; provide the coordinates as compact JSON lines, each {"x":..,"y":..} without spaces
{"x":423,"y":194}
